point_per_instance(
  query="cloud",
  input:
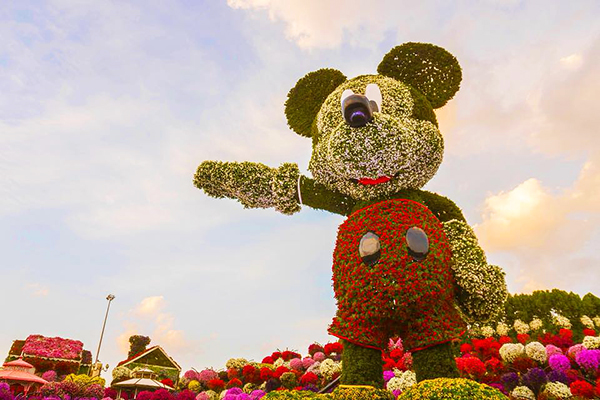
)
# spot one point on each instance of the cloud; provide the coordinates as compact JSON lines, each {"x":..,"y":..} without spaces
{"x":151,"y":305}
{"x":326,"y":24}
{"x":543,"y":231}
{"x":38,"y":290}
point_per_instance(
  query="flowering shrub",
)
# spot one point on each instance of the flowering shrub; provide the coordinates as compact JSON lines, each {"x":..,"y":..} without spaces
{"x":49,"y":376}
{"x":41,"y":346}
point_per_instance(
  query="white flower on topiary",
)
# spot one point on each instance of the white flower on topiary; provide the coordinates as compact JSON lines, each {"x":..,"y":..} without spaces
{"x":511,"y":351}
{"x":536,"y":351}
{"x":522,"y":393}
{"x":502,"y":329}
{"x":521,"y":327}
{"x":558,"y":390}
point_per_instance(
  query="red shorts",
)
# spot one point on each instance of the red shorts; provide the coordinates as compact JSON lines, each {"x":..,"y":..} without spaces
{"x":400,"y":294}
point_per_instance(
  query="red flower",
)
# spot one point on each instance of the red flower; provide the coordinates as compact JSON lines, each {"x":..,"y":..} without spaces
{"x":333,"y":348}
{"x":466,"y":348}
{"x":504,"y":339}
{"x":566,"y":333}
{"x":275,"y":355}
{"x":315,"y":348}
{"x":523,"y":338}
{"x":168,"y":382}
{"x":235,"y":382}
{"x":589,"y":332}
{"x":232,"y":373}
{"x":268,"y":360}
{"x":265,"y":373}
{"x":494,"y":365}
{"x":280,"y":371}
{"x":389,"y":364}
{"x":309,"y":377}
{"x":396,"y":354}
{"x":582,"y":388}
{"x":215,"y":384}
{"x":472,"y":366}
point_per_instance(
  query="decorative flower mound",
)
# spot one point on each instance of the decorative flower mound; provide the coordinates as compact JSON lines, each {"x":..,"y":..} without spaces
{"x":402,"y":382}
{"x":559,"y":362}
{"x":511,"y":351}
{"x":396,"y":293}
{"x":56,"y":347}
{"x":521,"y":327}
{"x":557,"y":390}
{"x":591,"y":342}
{"x":536,"y":351}
{"x":451,"y":389}
{"x":522,"y":393}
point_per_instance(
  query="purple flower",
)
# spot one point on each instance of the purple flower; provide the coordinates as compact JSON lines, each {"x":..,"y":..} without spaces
{"x":499,"y":387}
{"x":588,"y":359}
{"x":559,"y":362}
{"x":534,"y":379}
{"x":387,"y":375}
{"x":257,"y":394}
{"x":235,"y":391}
{"x":558,"y":376}
{"x":311,"y":387}
{"x":510,"y":380}
{"x":396,"y":393}
{"x":574,"y":350}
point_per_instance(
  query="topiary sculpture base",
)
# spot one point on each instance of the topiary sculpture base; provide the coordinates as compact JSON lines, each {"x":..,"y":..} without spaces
{"x":451,"y":389}
{"x":434,"y":362}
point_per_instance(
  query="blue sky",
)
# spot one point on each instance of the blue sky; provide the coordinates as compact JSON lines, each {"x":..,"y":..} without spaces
{"x":106,"y":109}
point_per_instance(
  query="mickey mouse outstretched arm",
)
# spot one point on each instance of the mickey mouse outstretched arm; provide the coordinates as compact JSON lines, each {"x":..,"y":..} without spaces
{"x":256,"y":185}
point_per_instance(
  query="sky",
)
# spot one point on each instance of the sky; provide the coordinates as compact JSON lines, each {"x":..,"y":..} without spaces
{"x":107,"y":108}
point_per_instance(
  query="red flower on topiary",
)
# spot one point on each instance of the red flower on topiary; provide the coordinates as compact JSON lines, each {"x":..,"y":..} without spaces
{"x":504,"y":339}
{"x":309,"y":377}
{"x":472,"y":366}
{"x":494,"y":365}
{"x":215,"y":384}
{"x":275,"y":355}
{"x":232,"y":373}
{"x":315,"y":348}
{"x":566,"y":333}
{"x":582,"y":388}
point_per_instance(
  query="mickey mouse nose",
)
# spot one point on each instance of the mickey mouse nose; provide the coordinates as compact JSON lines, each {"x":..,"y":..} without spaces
{"x":357,"y":110}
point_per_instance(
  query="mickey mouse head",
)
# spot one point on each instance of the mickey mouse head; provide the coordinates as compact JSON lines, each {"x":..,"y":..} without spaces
{"x":374,"y":135}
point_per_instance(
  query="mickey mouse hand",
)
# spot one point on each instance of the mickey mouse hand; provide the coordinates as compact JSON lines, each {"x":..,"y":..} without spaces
{"x":255,"y":185}
{"x":481,"y":287}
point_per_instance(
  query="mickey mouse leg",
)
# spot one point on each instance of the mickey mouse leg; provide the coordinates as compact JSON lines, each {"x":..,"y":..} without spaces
{"x":361,"y":366}
{"x":434,"y":362}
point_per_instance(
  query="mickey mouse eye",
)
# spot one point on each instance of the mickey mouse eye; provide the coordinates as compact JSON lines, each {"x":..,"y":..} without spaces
{"x":374,"y":95}
{"x":418,"y":244}
{"x":345,"y":94}
{"x":369,"y":248}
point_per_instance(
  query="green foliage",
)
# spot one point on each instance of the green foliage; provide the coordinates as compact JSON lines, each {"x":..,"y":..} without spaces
{"x":435,"y":362}
{"x":289,"y":380}
{"x":544,"y":303}
{"x":422,"y":107}
{"x":255,"y":185}
{"x":317,"y":195}
{"x":305,"y":99}
{"x":362,"y":366}
{"x":162,"y":372}
{"x":451,"y":389}
{"x":137,"y":344}
{"x":426,"y":67}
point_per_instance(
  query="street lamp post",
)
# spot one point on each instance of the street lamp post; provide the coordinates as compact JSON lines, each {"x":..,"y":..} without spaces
{"x":110,"y":298}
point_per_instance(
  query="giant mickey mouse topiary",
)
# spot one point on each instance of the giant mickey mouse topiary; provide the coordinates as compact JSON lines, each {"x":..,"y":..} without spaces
{"x":406,"y":262}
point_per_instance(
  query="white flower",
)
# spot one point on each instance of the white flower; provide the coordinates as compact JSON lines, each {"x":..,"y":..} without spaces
{"x":510,"y":351}
{"x":596,"y":320}
{"x":521,"y":327}
{"x":502,"y":329}
{"x":236,"y":363}
{"x":536,"y":324}
{"x":522,"y":393}
{"x":487,"y":331}
{"x":562,"y":322}
{"x":329,"y":367}
{"x":591,"y":342}
{"x":587,"y":322}
{"x":536,"y":351}
{"x":558,"y":390}
{"x":402,"y":382}
{"x":279,"y":362}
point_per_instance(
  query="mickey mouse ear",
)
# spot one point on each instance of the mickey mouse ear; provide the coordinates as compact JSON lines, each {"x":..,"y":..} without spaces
{"x":428,"y":68}
{"x":305,"y":99}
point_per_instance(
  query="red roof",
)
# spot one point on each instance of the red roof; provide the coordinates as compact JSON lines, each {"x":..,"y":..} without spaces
{"x":17,"y":371}
{"x":20,"y":363}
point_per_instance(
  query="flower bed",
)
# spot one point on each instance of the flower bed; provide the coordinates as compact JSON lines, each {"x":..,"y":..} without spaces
{"x":54,"y":348}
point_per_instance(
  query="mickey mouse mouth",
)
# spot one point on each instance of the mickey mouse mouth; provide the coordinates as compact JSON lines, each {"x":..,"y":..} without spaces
{"x":371,"y":182}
